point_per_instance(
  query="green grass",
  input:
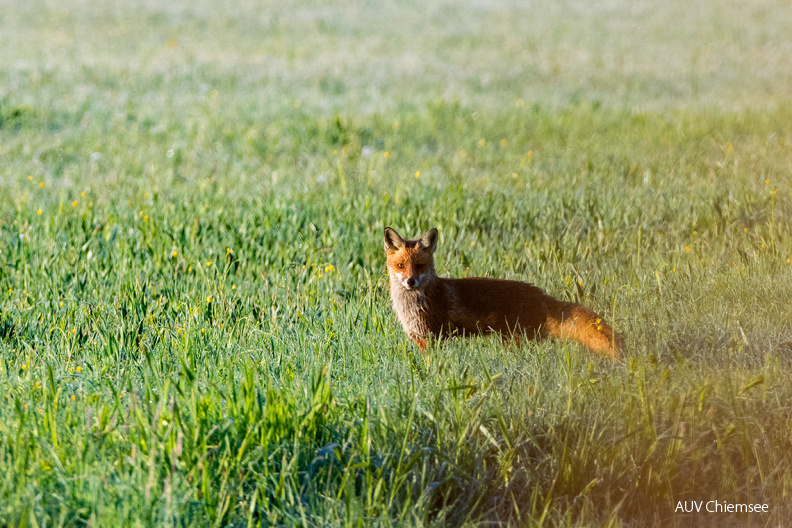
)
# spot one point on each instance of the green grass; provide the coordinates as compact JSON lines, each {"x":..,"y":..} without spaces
{"x":195,"y":327}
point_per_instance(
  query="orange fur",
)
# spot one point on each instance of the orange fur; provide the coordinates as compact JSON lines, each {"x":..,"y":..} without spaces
{"x":427,"y":304}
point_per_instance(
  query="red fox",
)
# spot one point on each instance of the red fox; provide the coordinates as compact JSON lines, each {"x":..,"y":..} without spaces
{"x":428,"y":305}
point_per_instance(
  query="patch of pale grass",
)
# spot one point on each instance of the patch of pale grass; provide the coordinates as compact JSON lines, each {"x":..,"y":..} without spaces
{"x":371,"y":58}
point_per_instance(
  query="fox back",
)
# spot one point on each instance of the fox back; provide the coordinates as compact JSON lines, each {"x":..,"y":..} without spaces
{"x":429,"y":305}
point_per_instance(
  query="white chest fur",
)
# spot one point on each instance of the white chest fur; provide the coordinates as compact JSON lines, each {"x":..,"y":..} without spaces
{"x":411,"y":307}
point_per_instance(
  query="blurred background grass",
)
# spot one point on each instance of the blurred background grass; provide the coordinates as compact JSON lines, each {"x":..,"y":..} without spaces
{"x":194,"y":320}
{"x":376,"y":57}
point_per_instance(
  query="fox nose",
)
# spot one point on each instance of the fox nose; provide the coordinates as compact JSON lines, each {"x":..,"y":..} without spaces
{"x":411,"y":282}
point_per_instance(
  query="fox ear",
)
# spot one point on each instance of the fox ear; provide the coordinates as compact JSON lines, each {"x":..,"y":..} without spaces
{"x":393,"y":241}
{"x":429,"y":240}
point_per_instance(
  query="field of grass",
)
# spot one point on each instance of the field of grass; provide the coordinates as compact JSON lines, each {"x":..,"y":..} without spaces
{"x":195,"y":327}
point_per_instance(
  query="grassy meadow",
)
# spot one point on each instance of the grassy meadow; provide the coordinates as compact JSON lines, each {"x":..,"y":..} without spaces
{"x":195,"y":327}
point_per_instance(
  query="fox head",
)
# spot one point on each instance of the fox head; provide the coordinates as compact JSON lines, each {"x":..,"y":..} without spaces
{"x":410,"y":262}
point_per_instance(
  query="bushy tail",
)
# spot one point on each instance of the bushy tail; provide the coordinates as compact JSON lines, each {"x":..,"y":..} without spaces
{"x":567,"y":320}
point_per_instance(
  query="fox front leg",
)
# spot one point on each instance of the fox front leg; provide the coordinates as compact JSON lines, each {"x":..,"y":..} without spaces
{"x":420,"y":341}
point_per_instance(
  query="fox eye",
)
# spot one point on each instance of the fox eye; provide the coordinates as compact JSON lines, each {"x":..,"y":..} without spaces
{"x":400,"y":265}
